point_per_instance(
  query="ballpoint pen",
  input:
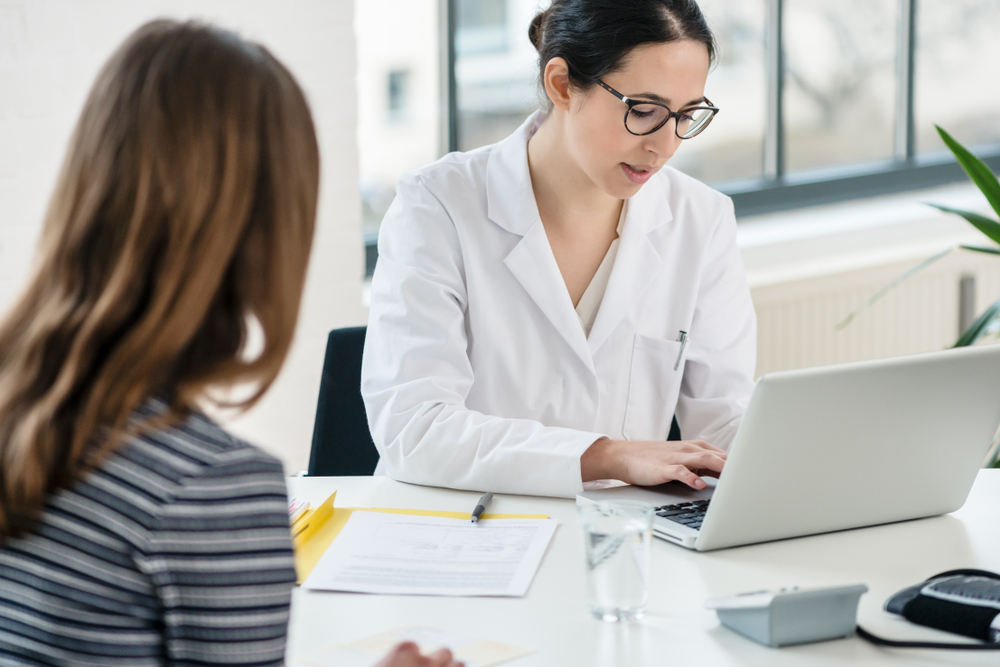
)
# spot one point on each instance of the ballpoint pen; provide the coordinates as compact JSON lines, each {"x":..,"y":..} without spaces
{"x":481,"y":506}
{"x":683,"y":340}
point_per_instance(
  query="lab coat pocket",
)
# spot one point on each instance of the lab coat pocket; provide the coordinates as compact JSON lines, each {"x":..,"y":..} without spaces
{"x":653,"y":388}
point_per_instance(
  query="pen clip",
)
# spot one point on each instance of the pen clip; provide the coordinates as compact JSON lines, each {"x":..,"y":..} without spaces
{"x":683,"y":340}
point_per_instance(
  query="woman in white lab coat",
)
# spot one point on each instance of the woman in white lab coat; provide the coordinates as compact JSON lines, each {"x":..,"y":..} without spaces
{"x":542,"y":308}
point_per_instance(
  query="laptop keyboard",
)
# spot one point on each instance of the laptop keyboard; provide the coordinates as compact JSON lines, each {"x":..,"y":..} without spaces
{"x":689,"y":514}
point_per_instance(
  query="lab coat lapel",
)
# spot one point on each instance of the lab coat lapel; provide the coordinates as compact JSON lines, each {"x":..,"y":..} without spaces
{"x":533,"y":264}
{"x":511,"y":204}
{"x":637,"y":263}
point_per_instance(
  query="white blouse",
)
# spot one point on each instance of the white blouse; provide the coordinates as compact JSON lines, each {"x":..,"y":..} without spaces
{"x":590,"y":302}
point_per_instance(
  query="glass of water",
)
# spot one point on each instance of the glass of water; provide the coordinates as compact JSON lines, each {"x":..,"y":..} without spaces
{"x":617,"y":536}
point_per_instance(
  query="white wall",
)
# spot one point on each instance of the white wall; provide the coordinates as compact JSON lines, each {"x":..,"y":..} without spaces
{"x":50,"y":51}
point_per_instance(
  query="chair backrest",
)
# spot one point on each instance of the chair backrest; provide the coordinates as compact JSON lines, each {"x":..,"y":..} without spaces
{"x":675,"y":431}
{"x":342,"y":444}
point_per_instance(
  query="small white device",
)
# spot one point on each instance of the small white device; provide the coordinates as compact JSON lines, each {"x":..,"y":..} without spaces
{"x":837,"y":447}
{"x":792,"y":615}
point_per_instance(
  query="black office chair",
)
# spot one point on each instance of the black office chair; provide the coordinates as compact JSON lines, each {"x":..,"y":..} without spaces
{"x":342,"y":444}
{"x":675,"y":431}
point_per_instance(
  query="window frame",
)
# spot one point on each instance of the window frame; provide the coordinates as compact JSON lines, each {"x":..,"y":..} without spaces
{"x":777,"y":190}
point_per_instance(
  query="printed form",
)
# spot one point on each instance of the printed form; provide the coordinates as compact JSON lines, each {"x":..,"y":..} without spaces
{"x":400,"y":554}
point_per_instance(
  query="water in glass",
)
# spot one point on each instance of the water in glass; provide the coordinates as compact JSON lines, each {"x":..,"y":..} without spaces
{"x":617,"y":537}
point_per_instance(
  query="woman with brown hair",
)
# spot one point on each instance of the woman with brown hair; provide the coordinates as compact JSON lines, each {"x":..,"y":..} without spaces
{"x":133,"y":530}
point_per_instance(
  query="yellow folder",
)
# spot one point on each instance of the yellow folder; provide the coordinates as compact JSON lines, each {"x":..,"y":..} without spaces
{"x":325,"y":522}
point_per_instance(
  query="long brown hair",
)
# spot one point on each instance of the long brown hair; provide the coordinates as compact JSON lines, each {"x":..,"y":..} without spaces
{"x":185,"y":207}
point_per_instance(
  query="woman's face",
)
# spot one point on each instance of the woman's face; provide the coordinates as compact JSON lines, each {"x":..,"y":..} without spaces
{"x":618,"y":162}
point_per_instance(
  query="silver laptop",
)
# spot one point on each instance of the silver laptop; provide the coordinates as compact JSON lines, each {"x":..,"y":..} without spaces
{"x":837,"y":447}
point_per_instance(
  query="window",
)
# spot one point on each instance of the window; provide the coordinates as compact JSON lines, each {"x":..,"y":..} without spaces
{"x":733,"y":147}
{"x":956,"y":84}
{"x":496,"y":92}
{"x":399,"y":101}
{"x":822,"y":100}
{"x":839,"y":82}
{"x":493,"y":69}
{"x":399,"y":82}
{"x":481,"y":26}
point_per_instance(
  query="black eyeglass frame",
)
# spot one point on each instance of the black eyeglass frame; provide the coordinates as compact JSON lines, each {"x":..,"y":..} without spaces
{"x":629,"y":103}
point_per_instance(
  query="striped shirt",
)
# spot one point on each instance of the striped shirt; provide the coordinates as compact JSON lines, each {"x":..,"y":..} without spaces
{"x":175,"y":551}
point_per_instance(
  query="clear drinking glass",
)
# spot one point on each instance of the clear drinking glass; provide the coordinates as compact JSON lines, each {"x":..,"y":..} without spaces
{"x":617,"y":536}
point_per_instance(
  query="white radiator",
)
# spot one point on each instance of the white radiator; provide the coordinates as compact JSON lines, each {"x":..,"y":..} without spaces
{"x":796,"y":319}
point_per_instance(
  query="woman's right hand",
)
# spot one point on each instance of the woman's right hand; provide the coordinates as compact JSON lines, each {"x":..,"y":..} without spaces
{"x":407,"y":654}
{"x":652,"y":462}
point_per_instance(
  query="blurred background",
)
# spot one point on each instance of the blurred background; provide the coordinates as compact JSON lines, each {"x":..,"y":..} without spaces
{"x":825,"y":141}
{"x":840,"y":84}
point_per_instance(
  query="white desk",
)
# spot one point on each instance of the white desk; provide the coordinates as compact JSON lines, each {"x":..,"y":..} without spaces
{"x":552,"y":619}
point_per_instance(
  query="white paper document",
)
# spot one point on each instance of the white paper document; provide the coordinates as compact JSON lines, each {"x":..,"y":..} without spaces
{"x":400,"y":554}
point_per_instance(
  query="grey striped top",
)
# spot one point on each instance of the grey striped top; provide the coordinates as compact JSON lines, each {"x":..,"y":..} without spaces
{"x":176,"y":551}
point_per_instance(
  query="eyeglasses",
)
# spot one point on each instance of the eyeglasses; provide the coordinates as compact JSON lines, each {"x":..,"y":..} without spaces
{"x":644,"y":117}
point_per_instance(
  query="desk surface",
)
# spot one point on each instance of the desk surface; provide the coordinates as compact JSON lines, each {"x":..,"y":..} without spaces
{"x":553,"y":621}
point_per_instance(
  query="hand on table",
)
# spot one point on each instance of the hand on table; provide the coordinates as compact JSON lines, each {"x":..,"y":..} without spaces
{"x":407,"y":654}
{"x":652,"y":462}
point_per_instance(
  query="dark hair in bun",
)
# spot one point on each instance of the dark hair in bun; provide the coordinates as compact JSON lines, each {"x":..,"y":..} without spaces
{"x":535,"y":29}
{"x":595,"y":36}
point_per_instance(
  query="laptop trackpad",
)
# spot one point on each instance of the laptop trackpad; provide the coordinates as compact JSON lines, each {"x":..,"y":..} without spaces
{"x":664,"y":494}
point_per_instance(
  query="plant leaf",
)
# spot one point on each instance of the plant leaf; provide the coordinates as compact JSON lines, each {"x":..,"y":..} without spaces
{"x":993,"y":456}
{"x":995,"y":463}
{"x":977,"y":170}
{"x":980,"y":327}
{"x":977,"y":248}
{"x":986,"y":225}
{"x":885,"y":290}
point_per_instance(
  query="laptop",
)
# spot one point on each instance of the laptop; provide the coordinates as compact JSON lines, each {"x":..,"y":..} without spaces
{"x":838,"y":447}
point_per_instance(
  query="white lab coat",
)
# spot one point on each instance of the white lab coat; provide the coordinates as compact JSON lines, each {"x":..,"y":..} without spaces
{"x":477,"y":373}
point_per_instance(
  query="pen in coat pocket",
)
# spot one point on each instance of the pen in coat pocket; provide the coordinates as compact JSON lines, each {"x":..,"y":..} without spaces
{"x":683,"y":340}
